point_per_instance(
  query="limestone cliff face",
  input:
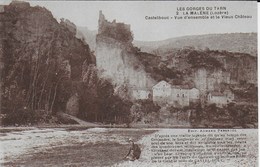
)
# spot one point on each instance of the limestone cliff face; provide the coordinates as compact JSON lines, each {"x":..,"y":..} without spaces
{"x":115,"y":56}
{"x":207,"y":70}
{"x":242,"y":67}
{"x":207,"y":80}
{"x":235,"y":69}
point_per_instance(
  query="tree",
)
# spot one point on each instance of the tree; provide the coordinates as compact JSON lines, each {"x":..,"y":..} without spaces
{"x":143,"y":109}
{"x":211,"y":112}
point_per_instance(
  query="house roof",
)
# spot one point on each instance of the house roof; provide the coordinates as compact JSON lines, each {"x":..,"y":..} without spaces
{"x":162,"y":83}
{"x":174,"y":86}
{"x":216,"y":94}
{"x":181,"y":86}
{"x":194,"y":88}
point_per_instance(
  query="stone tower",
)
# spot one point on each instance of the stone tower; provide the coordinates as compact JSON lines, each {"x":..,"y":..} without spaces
{"x":101,"y":21}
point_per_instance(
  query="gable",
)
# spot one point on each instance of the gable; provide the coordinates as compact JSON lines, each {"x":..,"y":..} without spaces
{"x":162,"y":84}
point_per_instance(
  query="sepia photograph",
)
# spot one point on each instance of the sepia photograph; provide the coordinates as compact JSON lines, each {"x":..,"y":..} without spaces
{"x":128,"y":83}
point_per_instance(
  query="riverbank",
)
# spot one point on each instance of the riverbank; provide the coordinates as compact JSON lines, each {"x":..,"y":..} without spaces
{"x":67,"y":147}
{"x":251,"y":147}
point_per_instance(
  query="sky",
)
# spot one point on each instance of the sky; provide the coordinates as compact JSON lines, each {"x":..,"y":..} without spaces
{"x":85,"y":14}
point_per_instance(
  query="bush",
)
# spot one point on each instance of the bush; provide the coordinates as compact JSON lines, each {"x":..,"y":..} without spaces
{"x":19,"y":117}
{"x":27,"y":117}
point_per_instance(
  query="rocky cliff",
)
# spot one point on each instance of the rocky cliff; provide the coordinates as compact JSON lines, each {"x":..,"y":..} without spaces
{"x":88,"y":36}
{"x":207,"y":70}
{"x":116,"y":57}
{"x":218,"y":66}
{"x":38,"y":56}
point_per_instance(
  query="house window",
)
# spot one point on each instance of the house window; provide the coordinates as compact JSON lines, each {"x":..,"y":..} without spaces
{"x":182,"y":95}
{"x":178,"y":95}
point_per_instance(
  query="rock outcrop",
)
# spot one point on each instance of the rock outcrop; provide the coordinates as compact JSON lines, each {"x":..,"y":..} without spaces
{"x":116,"y":56}
{"x":68,"y":24}
{"x":72,"y":106}
{"x":207,"y":70}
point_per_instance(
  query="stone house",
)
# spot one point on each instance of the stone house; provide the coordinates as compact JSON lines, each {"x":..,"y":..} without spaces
{"x":218,"y":98}
{"x":162,"y":92}
{"x":180,"y":96}
{"x":221,"y":99}
{"x":230,"y":95}
{"x":194,"y":95}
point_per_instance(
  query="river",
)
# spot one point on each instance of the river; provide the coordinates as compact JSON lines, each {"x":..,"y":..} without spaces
{"x":88,"y":147}
{"x":65,"y":147}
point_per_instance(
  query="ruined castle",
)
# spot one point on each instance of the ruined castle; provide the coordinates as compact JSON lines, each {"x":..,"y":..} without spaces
{"x":115,"y":56}
{"x":118,"y":31}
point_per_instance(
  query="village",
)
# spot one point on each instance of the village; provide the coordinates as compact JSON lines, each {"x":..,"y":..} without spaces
{"x":164,"y":93}
{"x":123,"y":68}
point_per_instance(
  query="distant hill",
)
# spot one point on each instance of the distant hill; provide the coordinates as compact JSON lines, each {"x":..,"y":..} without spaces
{"x":233,"y":42}
{"x":89,"y":36}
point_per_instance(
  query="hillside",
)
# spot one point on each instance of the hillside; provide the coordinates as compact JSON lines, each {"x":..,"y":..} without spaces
{"x":234,"y":42}
{"x":180,"y":66}
{"x":88,"y":36}
{"x":47,"y":71}
{"x":40,"y":59}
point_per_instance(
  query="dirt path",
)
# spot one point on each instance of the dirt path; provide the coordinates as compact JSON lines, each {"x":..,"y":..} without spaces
{"x":79,"y":121}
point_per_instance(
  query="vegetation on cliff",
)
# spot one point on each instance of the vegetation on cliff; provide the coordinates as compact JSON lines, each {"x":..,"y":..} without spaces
{"x":46,"y":70}
{"x":39,"y":56}
{"x":178,"y":65}
{"x":232,"y":115}
{"x":99,"y":103}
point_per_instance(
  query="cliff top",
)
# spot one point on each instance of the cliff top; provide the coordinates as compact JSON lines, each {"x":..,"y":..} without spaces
{"x":118,"y":31}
